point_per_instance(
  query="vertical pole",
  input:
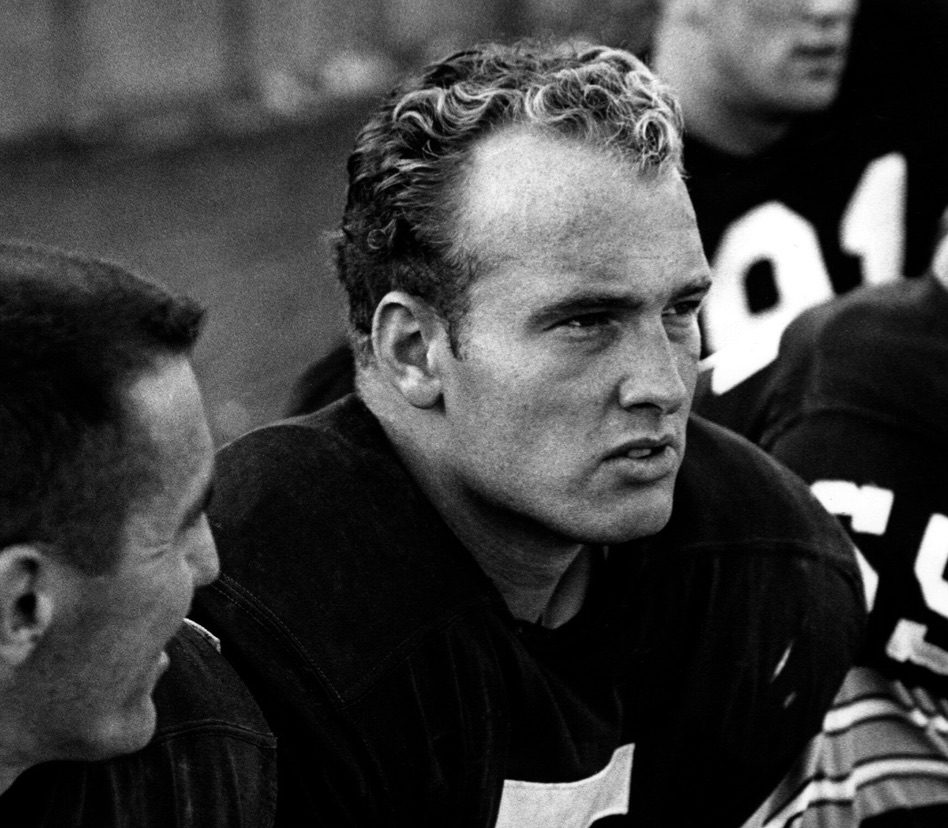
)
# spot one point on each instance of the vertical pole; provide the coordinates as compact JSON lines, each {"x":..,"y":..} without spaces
{"x":239,"y":50}
{"x":69,"y":64}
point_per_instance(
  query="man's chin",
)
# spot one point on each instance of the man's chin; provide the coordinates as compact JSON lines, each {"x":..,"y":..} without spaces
{"x":815,"y":96}
{"x":623,"y":525}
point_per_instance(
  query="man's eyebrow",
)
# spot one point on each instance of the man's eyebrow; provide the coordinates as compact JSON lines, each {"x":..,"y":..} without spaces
{"x":603,"y":300}
{"x":585,"y":301}
{"x":700,"y":284}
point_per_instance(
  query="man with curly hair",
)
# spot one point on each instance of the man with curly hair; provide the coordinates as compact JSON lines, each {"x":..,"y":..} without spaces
{"x":491,"y":588}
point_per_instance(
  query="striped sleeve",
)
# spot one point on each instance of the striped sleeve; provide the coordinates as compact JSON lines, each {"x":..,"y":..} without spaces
{"x":883,"y":749}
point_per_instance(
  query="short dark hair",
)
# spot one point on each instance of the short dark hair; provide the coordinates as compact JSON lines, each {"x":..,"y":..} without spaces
{"x":75,"y":332}
{"x":396,"y":231}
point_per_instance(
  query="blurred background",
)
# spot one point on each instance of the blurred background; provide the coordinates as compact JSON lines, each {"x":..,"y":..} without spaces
{"x":203,"y":143}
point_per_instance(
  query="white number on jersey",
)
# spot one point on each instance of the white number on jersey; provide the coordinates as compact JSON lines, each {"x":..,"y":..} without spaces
{"x":872,"y":227}
{"x":908,"y":641}
{"x":869,"y":508}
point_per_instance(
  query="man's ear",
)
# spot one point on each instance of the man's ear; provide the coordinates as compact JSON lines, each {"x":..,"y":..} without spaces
{"x":405,"y":335}
{"x":26,"y":601}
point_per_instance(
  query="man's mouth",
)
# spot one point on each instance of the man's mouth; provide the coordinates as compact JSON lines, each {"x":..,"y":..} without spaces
{"x":644,"y":452}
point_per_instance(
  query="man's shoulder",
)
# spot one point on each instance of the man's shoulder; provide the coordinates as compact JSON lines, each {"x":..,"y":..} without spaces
{"x":318,"y":481}
{"x":201,"y":692}
{"x":732,"y":494}
{"x":344,"y":433}
{"x":726,"y":467}
{"x":213,"y":753}
{"x":747,"y":535}
{"x":872,"y":353}
{"x":839,"y":327}
{"x":331,"y":556}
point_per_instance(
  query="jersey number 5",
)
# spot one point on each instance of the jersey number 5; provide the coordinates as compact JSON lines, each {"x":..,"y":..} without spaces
{"x":868,"y":508}
{"x":908,"y":640}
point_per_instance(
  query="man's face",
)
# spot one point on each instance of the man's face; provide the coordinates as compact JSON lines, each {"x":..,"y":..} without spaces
{"x":780,"y":56}
{"x":578,"y":354}
{"x":105,"y":657}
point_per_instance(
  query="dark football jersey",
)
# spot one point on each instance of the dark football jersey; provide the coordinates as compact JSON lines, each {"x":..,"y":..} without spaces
{"x":857,"y":406}
{"x":848,"y":198}
{"x":403,"y":692}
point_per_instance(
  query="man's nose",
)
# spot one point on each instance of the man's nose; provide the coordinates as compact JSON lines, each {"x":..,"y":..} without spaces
{"x":652,"y":377}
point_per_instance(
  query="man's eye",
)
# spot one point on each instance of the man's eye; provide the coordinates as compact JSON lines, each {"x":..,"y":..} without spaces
{"x":686,"y":308}
{"x":586,"y":320}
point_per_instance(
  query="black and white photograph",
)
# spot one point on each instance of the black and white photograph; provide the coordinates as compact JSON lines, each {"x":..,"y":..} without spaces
{"x":518,"y":414}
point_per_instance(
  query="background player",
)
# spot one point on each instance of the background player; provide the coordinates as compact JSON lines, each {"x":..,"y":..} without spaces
{"x":856,"y":405}
{"x":802,"y":194}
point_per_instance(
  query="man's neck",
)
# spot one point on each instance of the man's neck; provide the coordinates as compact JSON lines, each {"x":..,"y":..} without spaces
{"x":14,"y":757}
{"x":540,"y":583}
{"x":541,"y":576}
{"x":682,"y":59}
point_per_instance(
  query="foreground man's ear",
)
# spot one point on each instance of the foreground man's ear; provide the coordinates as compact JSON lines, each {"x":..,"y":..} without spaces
{"x":405,"y":336}
{"x":26,"y":604}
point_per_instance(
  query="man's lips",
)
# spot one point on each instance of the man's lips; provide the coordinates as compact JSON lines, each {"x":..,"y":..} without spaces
{"x":643,"y":447}
{"x":829,"y":57}
{"x":822,"y":50}
{"x":645,"y":460}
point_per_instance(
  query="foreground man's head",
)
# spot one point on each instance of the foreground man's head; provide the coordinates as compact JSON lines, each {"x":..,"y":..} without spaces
{"x":105,"y":466}
{"x":524,"y":273}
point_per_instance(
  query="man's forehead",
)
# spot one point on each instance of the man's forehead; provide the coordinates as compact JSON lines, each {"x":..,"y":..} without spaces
{"x":501,"y":162}
{"x":554,"y":220}
{"x":169,"y":411}
{"x":520,"y":176}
